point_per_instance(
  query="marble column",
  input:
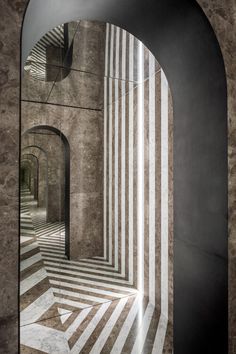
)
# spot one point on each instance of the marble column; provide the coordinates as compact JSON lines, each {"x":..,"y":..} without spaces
{"x":11,"y":22}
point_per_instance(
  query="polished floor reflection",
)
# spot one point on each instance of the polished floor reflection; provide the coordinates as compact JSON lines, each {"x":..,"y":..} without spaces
{"x":78,"y":306}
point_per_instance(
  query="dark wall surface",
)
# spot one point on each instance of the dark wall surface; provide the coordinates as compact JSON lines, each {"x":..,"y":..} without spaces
{"x":180,"y":37}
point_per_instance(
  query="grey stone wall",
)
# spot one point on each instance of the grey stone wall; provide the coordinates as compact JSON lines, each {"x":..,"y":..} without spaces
{"x":74,"y":106}
{"x":11,"y":22}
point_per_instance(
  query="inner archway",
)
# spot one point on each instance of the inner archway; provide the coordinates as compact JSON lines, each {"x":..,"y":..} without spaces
{"x":42,"y":157}
{"x":52,"y":181}
{"x":114,"y":106}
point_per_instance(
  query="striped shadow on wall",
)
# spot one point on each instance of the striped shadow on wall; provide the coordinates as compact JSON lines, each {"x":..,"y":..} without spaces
{"x":138,"y":208}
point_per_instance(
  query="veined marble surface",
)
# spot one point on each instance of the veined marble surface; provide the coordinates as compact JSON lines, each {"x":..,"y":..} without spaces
{"x":86,"y":306}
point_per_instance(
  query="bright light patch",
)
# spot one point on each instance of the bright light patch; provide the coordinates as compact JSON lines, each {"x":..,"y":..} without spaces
{"x":140,"y":184}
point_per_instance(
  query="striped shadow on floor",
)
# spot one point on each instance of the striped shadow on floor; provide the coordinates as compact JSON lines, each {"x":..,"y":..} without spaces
{"x":77,"y":306}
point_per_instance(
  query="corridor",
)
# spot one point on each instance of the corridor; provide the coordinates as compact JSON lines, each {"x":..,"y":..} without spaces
{"x":77,"y":306}
{"x":96,"y":195}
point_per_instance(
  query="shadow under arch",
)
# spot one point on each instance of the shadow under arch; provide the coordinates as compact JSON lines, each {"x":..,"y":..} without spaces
{"x":67,"y":178}
{"x":46,"y":157}
{"x":182,"y":40}
{"x":26,"y":168}
{"x":36,"y":187}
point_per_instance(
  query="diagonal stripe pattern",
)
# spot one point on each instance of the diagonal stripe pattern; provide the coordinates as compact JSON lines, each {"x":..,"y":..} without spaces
{"x":76,"y":307}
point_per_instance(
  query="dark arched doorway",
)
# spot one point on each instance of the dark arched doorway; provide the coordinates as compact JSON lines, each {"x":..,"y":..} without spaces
{"x":42,"y":157}
{"x":62,"y":189}
{"x":33,"y":185}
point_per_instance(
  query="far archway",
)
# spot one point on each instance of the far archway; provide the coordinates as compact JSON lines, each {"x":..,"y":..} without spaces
{"x":56,"y":148}
{"x":43,"y":173}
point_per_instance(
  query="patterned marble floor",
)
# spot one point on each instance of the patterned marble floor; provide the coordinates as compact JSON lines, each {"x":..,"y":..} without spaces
{"x":78,"y":307}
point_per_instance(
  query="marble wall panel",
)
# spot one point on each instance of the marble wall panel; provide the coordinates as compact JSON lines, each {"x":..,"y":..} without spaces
{"x":78,"y":89}
{"x":12,"y":12}
{"x":86,"y":228}
{"x":84,"y":133}
{"x":36,"y":114}
{"x":34,"y":89}
{"x":89,"y":47}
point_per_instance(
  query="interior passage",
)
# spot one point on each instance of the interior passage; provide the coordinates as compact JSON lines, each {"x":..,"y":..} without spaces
{"x":78,"y":306}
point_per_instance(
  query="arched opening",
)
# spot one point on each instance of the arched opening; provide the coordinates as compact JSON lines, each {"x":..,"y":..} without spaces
{"x":114,"y":106}
{"x":52,"y":177}
{"x":33,"y":184}
{"x":42,"y":157}
{"x":188,"y":41}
